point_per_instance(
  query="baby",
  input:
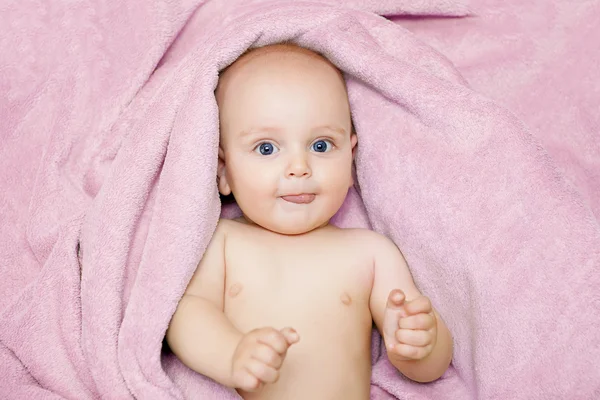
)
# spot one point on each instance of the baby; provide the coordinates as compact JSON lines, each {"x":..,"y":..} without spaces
{"x":282,"y":304}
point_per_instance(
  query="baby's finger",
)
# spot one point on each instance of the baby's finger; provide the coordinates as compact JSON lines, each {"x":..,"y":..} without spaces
{"x":396,"y":299}
{"x":411,"y":352}
{"x":414,"y":338}
{"x":267,"y":355}
{"x":247,"y":381}
{"x":275,"y":339}
{"x":419,"y":321}
{"x":263,"y":372}
{"x":291,"y":336}
{"x":419,"y":305}
{"x":393,"y":312}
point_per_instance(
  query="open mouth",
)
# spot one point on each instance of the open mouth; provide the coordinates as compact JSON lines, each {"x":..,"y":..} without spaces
{"x":304,"y":198}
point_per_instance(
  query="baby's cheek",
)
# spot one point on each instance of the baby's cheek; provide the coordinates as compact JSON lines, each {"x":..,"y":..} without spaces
{"x":252,"y":182}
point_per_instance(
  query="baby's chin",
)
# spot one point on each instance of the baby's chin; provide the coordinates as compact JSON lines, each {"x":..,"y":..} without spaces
{"x":296,"y":230}
{"x":292,"y":228}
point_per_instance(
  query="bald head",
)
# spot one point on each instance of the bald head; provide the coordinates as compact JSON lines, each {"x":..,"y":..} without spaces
{"x":284,"y":54}
{"x":294,"y":58}
{"x":278,"y":78}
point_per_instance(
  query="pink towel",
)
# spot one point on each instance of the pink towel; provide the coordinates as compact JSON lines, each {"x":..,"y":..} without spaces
{"x":109,"y":137}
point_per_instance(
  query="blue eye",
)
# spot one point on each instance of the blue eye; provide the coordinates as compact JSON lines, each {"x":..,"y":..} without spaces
{"x":322,"y":146}
{"x":266,"y":149}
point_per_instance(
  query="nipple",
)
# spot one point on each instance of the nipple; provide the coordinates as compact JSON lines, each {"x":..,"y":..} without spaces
{"x":346,"y":299}
{"x":235,"y":289}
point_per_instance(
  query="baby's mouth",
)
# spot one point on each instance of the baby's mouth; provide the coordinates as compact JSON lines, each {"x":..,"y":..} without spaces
{"x":303,"y":198}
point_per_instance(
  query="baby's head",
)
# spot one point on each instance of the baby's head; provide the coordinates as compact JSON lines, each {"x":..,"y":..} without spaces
{"x":286,"y":144}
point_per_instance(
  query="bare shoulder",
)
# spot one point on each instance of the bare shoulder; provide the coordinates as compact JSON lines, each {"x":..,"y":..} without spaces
{"x":207,"y":281}
{"x":218,"y":236}
{"x":229,"y":226}
{"x":366,"y":238}
{"x":225,"y":228}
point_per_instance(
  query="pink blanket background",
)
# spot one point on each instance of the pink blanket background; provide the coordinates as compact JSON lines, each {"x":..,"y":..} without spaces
{"x":479,"y":156}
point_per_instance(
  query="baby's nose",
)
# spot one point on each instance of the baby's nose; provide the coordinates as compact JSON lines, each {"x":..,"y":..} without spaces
{"x":298,"y":167}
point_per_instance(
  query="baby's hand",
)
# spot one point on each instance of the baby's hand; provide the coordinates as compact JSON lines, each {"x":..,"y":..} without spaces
{"x":410,"y":327}
{"x":259,"y":356}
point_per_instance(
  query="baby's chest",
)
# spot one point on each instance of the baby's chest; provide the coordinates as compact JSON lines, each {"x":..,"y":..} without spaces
{"x":267,"y":285}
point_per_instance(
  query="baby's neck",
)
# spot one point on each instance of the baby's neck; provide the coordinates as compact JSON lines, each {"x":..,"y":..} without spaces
{"x":245,"y":220}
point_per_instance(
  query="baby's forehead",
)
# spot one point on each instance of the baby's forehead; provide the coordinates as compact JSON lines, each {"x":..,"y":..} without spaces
{"x":271,"y":77}
{"x":278,"y":56}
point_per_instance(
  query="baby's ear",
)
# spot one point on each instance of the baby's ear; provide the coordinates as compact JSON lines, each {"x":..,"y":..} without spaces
{"x":222,"y":183}
{"x":353,"y":141}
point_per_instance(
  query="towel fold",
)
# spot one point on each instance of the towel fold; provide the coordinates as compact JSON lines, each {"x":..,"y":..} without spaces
{"x":113,"y":108}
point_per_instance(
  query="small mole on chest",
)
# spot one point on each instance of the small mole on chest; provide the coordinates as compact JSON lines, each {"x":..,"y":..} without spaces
{"x":235,"y":289}
{"x":346,"y":299}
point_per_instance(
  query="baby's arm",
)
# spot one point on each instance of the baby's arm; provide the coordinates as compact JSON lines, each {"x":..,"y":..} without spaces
{"x":205,"y":340}
{"x":419,"y":343}
{"x":200,"y":334}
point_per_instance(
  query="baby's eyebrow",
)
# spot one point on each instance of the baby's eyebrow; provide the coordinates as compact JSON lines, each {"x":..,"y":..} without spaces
{"x":275,"y":129}
{"x":337,"y":129}
{"x":260,"y":129}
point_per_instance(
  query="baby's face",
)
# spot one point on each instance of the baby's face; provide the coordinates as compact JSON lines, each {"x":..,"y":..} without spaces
{"x":286,"y":140}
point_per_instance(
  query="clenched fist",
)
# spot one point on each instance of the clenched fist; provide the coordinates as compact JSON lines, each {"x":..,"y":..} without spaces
{"x":410,"y":327}
{"x":259,"y":356}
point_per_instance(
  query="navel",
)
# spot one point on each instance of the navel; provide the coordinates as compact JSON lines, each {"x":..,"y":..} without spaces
{"x":346,"y":299}
{"x":235,"y":289}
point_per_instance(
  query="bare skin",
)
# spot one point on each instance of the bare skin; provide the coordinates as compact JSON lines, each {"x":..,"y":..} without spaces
{"x":282,"y":304}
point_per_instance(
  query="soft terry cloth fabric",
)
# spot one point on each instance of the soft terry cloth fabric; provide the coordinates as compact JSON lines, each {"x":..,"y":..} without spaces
{"x":110,"y":134}
{"x":539,"y":59}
